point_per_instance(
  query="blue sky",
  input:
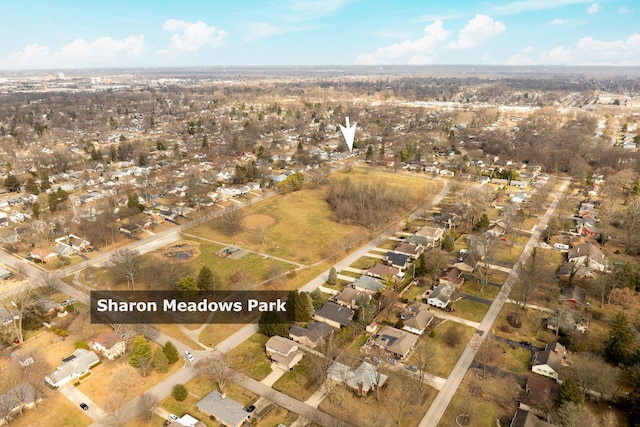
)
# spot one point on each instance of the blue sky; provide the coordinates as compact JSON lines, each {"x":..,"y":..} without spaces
{"x":45,"y":34}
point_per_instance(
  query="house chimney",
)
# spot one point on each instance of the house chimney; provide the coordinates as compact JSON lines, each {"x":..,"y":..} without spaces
{"x":360,"y":389}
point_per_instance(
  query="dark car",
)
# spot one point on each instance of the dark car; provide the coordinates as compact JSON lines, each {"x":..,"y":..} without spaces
{"x":526,"y":344}
{"x":251,"y":408}
{"x":84,"y":406}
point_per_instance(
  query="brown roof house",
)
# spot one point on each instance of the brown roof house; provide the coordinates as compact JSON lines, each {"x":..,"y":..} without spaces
{"x":334,"y":315}
{"x":539,"y":394}
{"x":432,"y":235}
{"x":549,"y":361}
{"x":283,"y":352}
{"x":313,"y":335}
{"x":528,"y":419}
{"x":573,"y":295}
{"x":588,"y":255}
{"x":352,"y":298}
{"x":410,"y":249}
{"x":453,"y":277}
{"x":380,"y":271}
{"x":395,"y":341}
{"x":43,"y":255}
{"x":361,"y":380}
{"x":416,"y":317}
{"x":110,"y":344}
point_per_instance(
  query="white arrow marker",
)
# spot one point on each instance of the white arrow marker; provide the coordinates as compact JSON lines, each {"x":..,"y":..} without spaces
{"x":349,"y":133}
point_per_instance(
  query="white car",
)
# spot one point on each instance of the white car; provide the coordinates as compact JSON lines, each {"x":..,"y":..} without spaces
{"x":189,"y":356}
{"x":173,"y":417}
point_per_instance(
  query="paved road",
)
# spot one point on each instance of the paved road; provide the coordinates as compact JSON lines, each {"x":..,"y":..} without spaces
{"x":442,"y":400}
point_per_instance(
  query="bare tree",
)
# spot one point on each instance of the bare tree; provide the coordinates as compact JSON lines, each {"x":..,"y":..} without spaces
{"x":19,"y":305}
{"x":127,"y":265}
{"x":487,"y":353}
{"x":216,"y":367}
{"x":570,"y":414}
{"x":482,"y":251}
{"x":122,"y":380}
{"x":424,"y":356}
{"x":147,"y":403}
{"x":230,"y":221}
{"x":33,"y":371}
{"x":49,"y":280}
{"x":525,"y":284}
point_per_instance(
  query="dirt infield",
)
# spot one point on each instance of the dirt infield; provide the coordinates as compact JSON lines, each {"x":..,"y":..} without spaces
{"x":181,"y":251}
{"x":255,"y":221}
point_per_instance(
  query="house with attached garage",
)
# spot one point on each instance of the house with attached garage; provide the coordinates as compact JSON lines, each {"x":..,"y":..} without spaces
{"x":361,"y":380}
{"x":395,"y":341}
{"x":441,"y":296}
{"x":73,"y":367}
{"x":352,"y":298}
{"x":410,"y":249}
{"x":416,"y":317}
{"x":368,"y":284}
{"x":223,"y":409}
{"x":588,"y":255}
{"x":312,"y":335}
{"x":334,"y":315}
{"x":110,"y":344}
{"x":283,"y":352}
{"x":548,"y":362}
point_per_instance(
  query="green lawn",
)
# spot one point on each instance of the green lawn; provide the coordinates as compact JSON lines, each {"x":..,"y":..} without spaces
{"x":364,"y":263}
{"x":297,"y":383}
{"x":470,"y":310}
{"x":250,"y":357}
{"x":472,"y":287}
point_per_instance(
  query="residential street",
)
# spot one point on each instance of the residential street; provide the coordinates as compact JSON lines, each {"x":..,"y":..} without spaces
{"x":438,"y":407}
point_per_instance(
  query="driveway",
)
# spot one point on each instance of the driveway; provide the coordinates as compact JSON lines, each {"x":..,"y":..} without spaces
{"x":77,"y":397}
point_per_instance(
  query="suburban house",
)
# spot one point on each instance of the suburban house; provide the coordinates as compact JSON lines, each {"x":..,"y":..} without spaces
{"x":225,"y":410}
{"x":43,"y":255}
{"x":72,"y":367}
{"x":334,"y":315}
{"x":570,"y":270}
{"x":587,"y":229}
{"x":368,"y":284}
{"x":47,"y":306}
{"x":410,"y":249}
{"x":399,"y":261}
{"x":538,"y":392}
{"x":110,"y":344}
{"x":283,"y":352}
{"x":6,"y":317}
{"x":352,"y":298}
{"x":441,"y":296}
{"x":313,"y":335}
{"x":416,"y":317}
{"x":395,"y":341}
{"x":587,"y":210}
{"x":76,"y":243}
{"x":524,"y":418}
{"x":549,"y":361}
{"x":432,"y":235}
{"x":453,"y":277}
{"x":16,"y":400}
{"x":573,"y":295}
{"x":380,"y":271}
{"x":187,"y":421}
{"x":361,"y":380}
{"x":567,"y":320}
{"x":588,"y":255}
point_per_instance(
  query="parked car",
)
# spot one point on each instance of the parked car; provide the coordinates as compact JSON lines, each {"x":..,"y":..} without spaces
{"x":376,"y":360}
{"x":67,"y":302}
{"x":189,"y":356}
{"x":392,"y":360}
{"x":412,"y":368}
{"x":251,"y":408}
{"x":173,"y":417}
{"x":526,"y":344}
{"x":84,"y":406}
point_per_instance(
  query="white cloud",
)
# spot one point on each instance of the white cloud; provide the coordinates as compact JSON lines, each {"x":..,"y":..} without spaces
{"x":528,"y":49}
{"x":104,"y":51}
{"x":624,"y":9}
{"x":520,"y":59}
{"x":192,"y":36}
{"x":420,"y":51}
{"x":589,"y":51}
{"x":532,"y":5}
{"x":594,"y":8}
{"x":557,"y":22}
{"x":478,"y":29}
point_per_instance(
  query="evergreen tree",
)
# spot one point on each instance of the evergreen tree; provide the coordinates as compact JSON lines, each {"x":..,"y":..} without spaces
{"x":291,"y":304}
{"x":316,"y":298}
{"x":134,"y":203}
{"x":35,"y":210}
{"x":141,"y":349}
{"x":569,"y":391}
{"x":179,"y":392}
{"x":369,"y":154}
{"x":186,"y":283}
{"x":303,"y":308}
{"x":11,"y":183}
{"x":160,"y":361}
{"x":620,"y":342}
{"x":206,"y":280}
{"x":272,"y":323}
{"x":333,"y":277}
{"x":31,"y":187}
{"x":484,"y":223}
{"x":171,"y":352}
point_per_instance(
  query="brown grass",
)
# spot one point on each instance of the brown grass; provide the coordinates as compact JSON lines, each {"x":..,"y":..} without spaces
{"x":54,"y":410}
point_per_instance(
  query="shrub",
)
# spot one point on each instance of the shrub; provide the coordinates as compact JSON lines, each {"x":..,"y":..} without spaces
{"x":179,"y":392}
{"x":82,"y":344}
{"x":452,"y":337}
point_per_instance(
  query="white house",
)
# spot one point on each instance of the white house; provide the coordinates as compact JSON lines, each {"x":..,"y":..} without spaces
{"x":72,"y":367}
{"x":283,"y":352}
{"x":549,"y":361}
{"x":110,"y":345}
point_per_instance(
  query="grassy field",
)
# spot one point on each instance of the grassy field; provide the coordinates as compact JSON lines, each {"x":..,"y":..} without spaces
{"x":250,"y":357}
{"x":472,"y":287}
{"x":303,"y":226}
{"x":297,"y":383}
{"x":54,"y":410}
